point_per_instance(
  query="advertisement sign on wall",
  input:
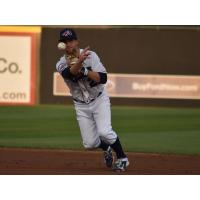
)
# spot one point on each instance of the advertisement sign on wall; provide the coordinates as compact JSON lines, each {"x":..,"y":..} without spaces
{"x":143,"y":86}
{"x":17,"y":68}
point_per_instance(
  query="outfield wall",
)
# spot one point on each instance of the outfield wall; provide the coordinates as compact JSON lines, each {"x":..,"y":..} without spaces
{"x":155,"y":65}
{"x":135,"y":51}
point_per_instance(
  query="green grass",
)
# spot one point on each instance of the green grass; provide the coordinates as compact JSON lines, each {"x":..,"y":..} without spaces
{"x":141,"y":129}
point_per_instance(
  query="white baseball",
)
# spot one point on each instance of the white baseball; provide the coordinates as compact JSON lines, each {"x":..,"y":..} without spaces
{"x":61,"y":46}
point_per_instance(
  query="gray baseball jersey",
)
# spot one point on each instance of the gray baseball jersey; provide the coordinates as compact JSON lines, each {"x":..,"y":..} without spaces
{"x":84,"y":89}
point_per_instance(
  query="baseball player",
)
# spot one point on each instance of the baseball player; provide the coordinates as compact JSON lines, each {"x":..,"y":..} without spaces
{"x":86,"y":76}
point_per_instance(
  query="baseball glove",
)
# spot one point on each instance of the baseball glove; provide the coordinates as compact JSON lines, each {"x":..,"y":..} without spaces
{"x":72,"y":59}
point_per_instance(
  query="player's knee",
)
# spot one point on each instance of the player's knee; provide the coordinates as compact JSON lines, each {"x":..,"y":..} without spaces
{"x":88,"y":147}
{"x":91,"y":145}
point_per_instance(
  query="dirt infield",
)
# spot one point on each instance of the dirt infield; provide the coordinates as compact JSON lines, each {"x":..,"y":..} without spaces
{"x":60,"y":162}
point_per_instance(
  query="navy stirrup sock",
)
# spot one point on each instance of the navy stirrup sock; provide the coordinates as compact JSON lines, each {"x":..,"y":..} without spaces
{"x":117,"y":147}
{"x":103,"y":145}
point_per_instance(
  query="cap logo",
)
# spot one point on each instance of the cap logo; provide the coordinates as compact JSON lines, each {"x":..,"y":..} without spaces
{"x":67,"y":33}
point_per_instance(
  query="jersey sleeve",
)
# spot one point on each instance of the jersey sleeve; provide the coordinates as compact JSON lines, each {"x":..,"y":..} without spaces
{"x":64,"y":70}
{"x":97,"y":66}
{"x":61,"y":65}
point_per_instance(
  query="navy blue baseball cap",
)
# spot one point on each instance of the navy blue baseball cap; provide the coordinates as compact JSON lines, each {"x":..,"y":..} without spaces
{"x":67,"y":34}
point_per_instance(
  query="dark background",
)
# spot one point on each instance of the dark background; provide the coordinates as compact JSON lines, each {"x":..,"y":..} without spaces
{"x":128,"y":50}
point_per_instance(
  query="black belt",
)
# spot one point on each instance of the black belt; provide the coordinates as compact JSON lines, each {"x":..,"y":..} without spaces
{"x":79,"y":101}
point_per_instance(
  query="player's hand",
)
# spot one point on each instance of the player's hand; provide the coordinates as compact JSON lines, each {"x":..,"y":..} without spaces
{"x":84,"y":54}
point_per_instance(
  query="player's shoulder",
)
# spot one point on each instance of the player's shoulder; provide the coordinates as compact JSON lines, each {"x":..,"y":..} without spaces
{"x":62,"y":59}
{"x":94,"y":57}
{"x":61,"y":64}
{"x":92,"y":53}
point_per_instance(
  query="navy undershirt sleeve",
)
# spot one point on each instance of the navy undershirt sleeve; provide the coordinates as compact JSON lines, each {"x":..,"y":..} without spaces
{"x":66,"y":73}
{"x":103,"y":78}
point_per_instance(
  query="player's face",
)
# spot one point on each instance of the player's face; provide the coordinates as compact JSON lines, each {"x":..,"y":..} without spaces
{"x":71,"y":46}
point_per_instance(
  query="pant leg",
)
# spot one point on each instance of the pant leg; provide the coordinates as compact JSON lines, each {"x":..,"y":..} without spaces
{"x":87,"y":126}
{"x":102,"y":117}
